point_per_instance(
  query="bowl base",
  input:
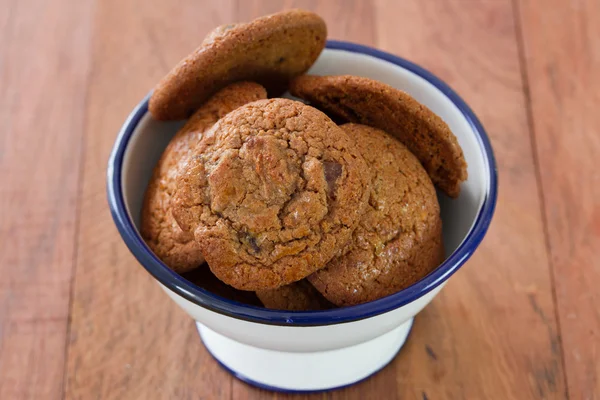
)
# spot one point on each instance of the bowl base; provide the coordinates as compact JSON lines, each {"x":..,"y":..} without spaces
{"x":304,"y":372}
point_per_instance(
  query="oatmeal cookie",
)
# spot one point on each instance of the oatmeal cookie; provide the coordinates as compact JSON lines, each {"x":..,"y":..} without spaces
{"x":376,"y":104}
{"x":270,"y":50}
{"x":399,"y":238}
{"x":163,"y":235}
{"x":273,"y":193}
{"x":297,"y":296}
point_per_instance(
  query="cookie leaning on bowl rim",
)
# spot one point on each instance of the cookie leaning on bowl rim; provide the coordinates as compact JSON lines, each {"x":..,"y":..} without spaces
{"x":163,"y":235}
{"x":373,"y":103}
{"x":273,"y":193}
{"x":399,"y":237}
{"x":269,"y":50}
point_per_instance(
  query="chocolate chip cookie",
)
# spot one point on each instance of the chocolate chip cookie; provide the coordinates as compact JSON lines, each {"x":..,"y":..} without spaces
{"x":297,"y":296}
{"x":205,"y":279}
{"x":273,"y":192}
{"x":270,"y":50}
{"x":399,"y":238}
{"x":175,"y":247}
{"x":376,"y":104}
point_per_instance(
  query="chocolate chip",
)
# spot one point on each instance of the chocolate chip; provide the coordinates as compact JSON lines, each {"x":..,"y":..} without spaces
{"x":250,"y":240}
{"x":332,"y":171}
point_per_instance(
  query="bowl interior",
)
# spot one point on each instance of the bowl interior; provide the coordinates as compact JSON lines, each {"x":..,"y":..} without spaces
{"x":466,"y":219}
{"x":458,"y":215}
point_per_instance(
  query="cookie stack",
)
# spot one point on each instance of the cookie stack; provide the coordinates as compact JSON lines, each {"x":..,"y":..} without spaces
{"x":275,"y":197}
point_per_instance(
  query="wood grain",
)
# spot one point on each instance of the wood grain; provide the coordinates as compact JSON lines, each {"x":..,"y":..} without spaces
{"x":44,"y":63}
{"x":561,"y":47}
{"x":128,"y":340}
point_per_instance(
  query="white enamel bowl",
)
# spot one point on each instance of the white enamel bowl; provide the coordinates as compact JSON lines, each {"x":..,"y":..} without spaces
{"x":322,"y":350}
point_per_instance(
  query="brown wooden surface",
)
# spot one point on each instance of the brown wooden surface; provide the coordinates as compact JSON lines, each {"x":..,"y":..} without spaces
{"x":561,"y":57}
{"x":79,"y":319}
{"x":44,"y":70}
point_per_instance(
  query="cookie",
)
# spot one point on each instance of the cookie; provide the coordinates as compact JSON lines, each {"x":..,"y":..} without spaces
{"x":205,"y":279}
{"x":175,"y":247}
{"x":399,"y":238}
{"x":274,"y":192}
{"x":270,"y":50}
{"x":297,"y":296}
{"x":376,"y":104}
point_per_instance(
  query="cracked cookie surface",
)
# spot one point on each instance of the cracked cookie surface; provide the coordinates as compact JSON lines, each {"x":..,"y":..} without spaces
{"x":163,"y":235}
{"x":269,"y":50}
{"x":273,"y":193}
{"x":373,"y":103}
{"x":297,"y":296}
{"x":399,"y":238}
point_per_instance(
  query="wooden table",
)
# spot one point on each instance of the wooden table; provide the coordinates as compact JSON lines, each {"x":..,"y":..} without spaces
{"x":80,"y":319}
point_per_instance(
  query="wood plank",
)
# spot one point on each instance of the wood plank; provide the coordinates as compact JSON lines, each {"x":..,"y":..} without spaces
{"x":350,"y":20}
{"x":128,"y":340}
{"x":44,"y":62}
{"x":561,"y":46}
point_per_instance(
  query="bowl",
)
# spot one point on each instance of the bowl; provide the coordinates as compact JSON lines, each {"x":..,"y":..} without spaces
{"x":318,"y":350}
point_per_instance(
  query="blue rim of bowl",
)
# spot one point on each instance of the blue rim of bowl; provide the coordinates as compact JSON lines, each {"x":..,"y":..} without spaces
{"x":208,"y":300}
